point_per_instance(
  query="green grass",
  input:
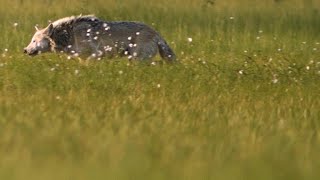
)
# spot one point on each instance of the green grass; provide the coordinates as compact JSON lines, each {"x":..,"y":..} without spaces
{"x":242,"y":103}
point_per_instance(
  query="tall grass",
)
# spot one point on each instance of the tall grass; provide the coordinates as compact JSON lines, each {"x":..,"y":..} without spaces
{"x":243,"y":103}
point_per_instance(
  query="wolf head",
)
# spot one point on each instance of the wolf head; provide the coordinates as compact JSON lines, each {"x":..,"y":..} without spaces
{"x":40,"y":42}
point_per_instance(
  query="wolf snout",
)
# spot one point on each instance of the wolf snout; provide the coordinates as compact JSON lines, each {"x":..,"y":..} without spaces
{"x":25,"y":50}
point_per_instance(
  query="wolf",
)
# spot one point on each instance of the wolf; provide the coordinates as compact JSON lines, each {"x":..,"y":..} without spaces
{"x":89,"y":37}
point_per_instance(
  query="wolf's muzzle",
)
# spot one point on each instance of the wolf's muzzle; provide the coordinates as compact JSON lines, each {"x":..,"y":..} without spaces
{"x":30,"y":53}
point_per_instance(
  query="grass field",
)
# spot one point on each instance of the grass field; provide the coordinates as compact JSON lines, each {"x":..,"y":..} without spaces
{"x":242,"y":103}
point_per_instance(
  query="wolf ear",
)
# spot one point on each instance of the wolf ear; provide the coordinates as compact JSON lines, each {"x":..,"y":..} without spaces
{"x":49,"y":30}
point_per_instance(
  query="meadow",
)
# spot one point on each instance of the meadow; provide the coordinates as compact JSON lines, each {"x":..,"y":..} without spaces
{"x":243,"y":101}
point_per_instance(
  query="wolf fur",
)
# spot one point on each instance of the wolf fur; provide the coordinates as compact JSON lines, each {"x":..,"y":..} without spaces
{"x":89,"y":37}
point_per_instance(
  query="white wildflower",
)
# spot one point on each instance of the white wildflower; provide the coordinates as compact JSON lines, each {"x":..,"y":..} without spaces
{"x":307,"y":67}
{"x":100,"y":53}
{"x":189,"y":39}
{"x":108,"y":48}
{"x":275,"y":80}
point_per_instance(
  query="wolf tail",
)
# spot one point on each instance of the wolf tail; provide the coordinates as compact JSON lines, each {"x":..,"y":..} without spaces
{"x":165,"y":51}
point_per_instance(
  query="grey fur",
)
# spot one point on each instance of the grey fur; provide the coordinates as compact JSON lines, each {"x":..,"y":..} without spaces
{"x":89,"y":37}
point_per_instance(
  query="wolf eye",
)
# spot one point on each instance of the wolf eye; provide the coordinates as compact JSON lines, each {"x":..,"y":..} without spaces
{"x":34,"y":41}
